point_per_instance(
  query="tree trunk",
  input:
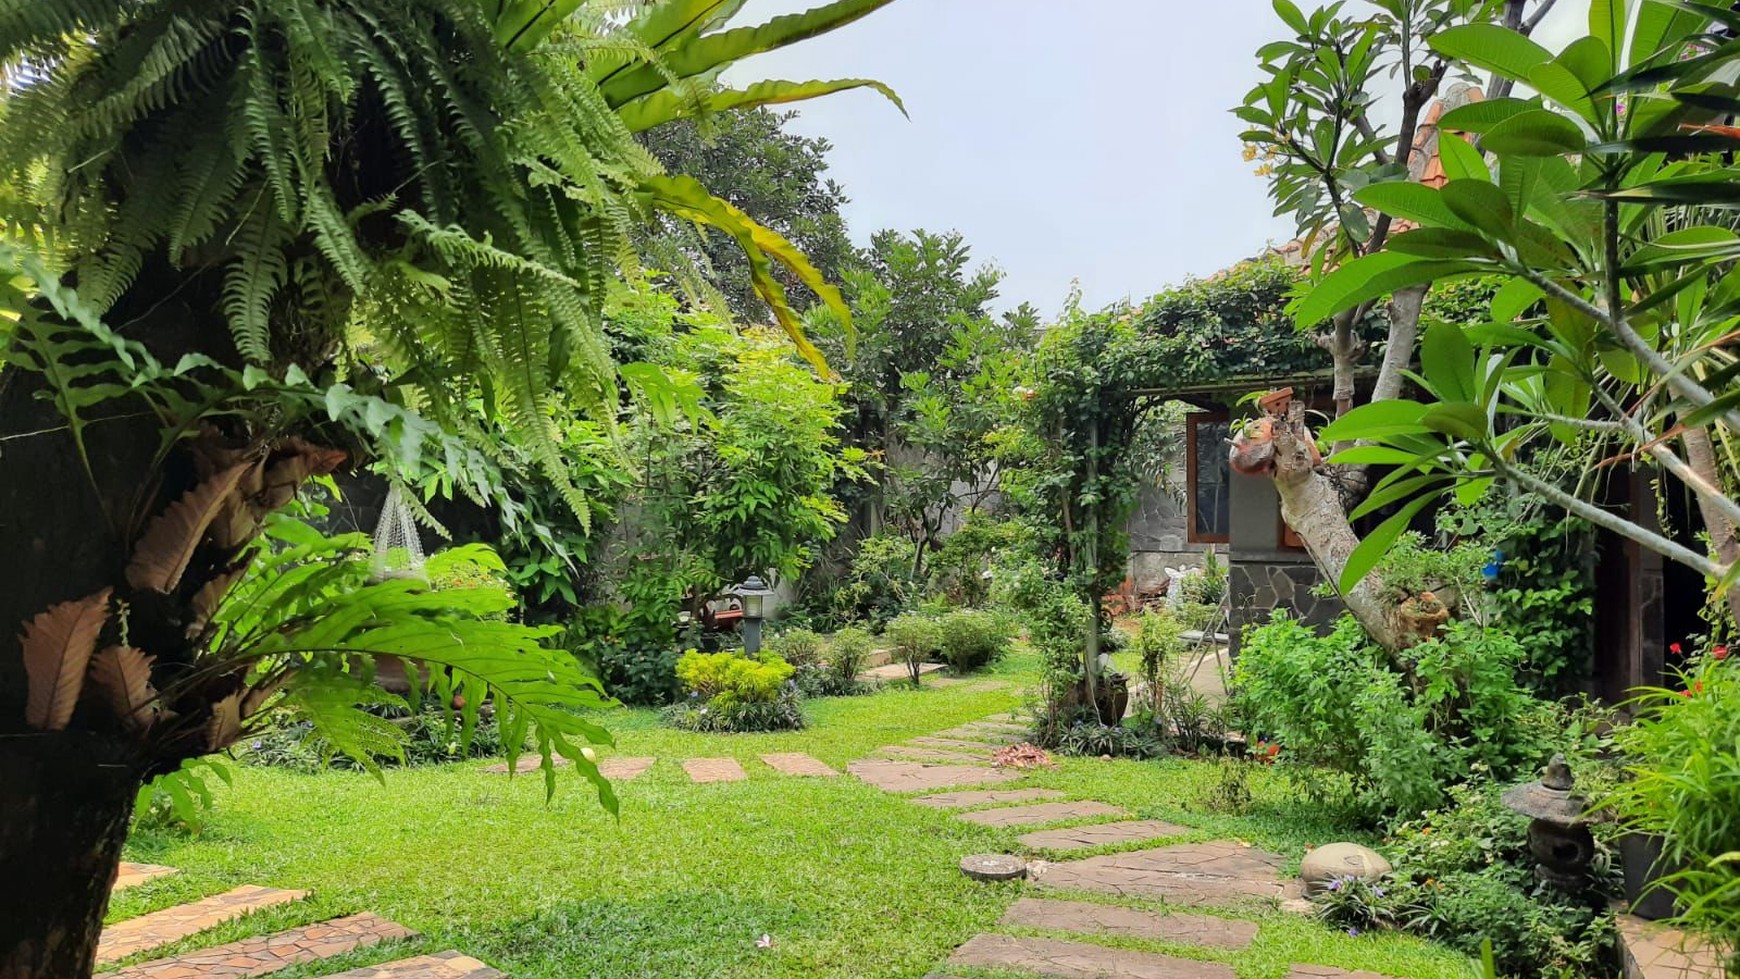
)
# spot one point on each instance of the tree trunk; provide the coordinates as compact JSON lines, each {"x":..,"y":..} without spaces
{"x":1311,"y":505}
{"x":1701,"y":456}
{"x":69,"y":797}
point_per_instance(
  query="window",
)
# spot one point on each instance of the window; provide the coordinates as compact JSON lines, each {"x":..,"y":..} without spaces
{"x":1209,"y":477}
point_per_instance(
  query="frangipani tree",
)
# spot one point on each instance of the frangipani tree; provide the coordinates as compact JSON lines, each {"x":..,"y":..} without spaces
{"x":1603,"y":201}
{"x":216,"y":210}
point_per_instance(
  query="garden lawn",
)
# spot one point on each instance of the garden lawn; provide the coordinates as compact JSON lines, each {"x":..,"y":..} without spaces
{"x":847,"y":881}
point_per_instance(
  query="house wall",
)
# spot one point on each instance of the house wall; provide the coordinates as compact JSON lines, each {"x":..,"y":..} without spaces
{"x":1263,"y":574}
{"x":1159,"y":539}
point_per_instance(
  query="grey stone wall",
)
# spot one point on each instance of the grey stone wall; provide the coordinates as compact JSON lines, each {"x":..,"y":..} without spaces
{"x":1159,"y":539}
{"x":1259,"y":584}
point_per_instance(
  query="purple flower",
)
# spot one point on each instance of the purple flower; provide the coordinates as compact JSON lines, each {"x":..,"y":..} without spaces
{"x":1377,"y":892}
{"x":1335,"y":885}
{"x":258,"y":745}
{"x":1353,"y":932}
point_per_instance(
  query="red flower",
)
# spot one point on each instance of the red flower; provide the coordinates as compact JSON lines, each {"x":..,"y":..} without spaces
{"x":1675,"y":649}
{"x":1685,"y":693}
{"x":1719,"y":652}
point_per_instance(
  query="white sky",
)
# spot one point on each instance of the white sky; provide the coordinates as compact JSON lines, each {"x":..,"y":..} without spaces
{"x":1085,"y":140}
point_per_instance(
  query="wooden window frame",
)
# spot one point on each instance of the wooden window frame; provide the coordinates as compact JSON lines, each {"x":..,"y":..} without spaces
{"x":1191,"y":535}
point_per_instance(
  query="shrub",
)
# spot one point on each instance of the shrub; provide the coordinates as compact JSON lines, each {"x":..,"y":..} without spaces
{"x":799,"y":647}
{"x":1159,"y":642}
{"x":1089,"y":738}
{"x":820,"y":680}
{"x":848,"y":651}
{"x":633,"y":654}
{"x":431,"y":737}
{"x":1683,"y":754}
{"x":1437,"y":714}
{"x":915,"y":640}
{"x":1205,"y":585}
{"x":468,"y":566}
{"x":729,"y":692}
{"x":971,"y":638}
{"x":881,"y":584}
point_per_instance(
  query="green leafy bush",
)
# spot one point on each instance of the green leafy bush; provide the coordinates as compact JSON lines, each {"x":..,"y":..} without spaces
{"x":1683,"y":758}
{"x":915,"y":640}
{"x":1159,"y":643}
{"x":958,"y":568}
{"x":179,"y":801}
{"x":881,"y":583}
{"x":799,"y":647}
{"x":849,"y":652}
{"x":431,"y":736}
{"x":1089,"y":738}
{"x":1464,"y":876}
{"x":1401,"y":728}
{"x":972,"y":638}
{"x":635,"y":658}
{"x":1205,"y":585}
{"x":730,"y":692}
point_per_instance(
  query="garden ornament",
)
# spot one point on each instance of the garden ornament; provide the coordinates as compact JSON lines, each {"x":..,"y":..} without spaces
{"x":1559,"y":837}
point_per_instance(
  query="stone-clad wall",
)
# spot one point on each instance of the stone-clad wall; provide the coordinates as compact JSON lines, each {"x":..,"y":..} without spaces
{"x":1259,"y":584}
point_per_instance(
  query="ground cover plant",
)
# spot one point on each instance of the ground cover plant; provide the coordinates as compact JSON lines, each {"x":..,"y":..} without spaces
{"x":692,"y":875}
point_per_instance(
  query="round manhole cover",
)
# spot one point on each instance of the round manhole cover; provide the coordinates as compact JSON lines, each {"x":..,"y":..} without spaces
{"x":993,"y":866}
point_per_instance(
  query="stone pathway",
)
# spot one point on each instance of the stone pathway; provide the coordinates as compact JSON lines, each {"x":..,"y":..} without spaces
{"x":897,"y":671}
{"x":1217,"y":872}
{"x":704,"y":770}
{"x":795,"y":763}
{"x":1078,"y":960}
{"x":270,"y":953}
{"x":134,"y":874}
{"x":1656,"y":951}
{"x":961,"y":800}
{"x":915,"y":776}
{"x":944,"y":756}
{"x":1100,"y":834}
{"x":1106,"y":919}
{"x":159,"y":928}
{"x":447,"y":965}
{"x":625,"y":769}
{"x":1044,"y":812}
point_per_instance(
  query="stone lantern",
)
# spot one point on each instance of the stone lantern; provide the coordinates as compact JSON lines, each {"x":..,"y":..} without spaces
{"x":1559,"y":837}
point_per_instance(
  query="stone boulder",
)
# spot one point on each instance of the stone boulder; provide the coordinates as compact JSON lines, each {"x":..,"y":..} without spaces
{"x":1337,"y":860}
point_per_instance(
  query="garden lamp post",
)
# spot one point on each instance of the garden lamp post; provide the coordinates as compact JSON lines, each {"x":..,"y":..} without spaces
{"x":753,"y":594}
{"x":1559,"y":836}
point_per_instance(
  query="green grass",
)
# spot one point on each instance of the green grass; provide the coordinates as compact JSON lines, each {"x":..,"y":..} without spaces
{"x":848,"y":881}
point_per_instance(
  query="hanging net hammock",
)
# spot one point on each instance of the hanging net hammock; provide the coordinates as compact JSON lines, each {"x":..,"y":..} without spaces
{"x":398,"y":549}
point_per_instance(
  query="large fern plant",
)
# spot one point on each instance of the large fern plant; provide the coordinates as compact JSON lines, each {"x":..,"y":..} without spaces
{"x":453,"y":179}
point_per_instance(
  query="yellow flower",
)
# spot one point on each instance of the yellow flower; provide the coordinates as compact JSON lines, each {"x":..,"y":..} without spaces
{"x":1250,"y":152}
{"x":1264,"y":170}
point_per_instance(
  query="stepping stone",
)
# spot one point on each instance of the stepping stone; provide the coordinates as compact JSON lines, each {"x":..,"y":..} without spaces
{"x":935,"y":754}
{"x":526,"y":763}
{"x":1189,"y":873}
{"x":1044,"y":812}
{"x":625,"y":769}
{"x":951,"y":744}
{"x":1104,"y":919}
{"x":447,"y":965}
{"x":913,"y":776}
{"x":797,"y":763}
{"x":898,"y":671}
{"x":1077,"y":960}
{"x":159,"y":928}
{"x":993,"y":866}
{"x":1331,"y":972}
{"x":961,"y":800}
{"x":1101,"y":834}
{"x":269,"y":953}
{"x":985,"y":735}
{"x":134,"y":874}
{"x":704,"y":770}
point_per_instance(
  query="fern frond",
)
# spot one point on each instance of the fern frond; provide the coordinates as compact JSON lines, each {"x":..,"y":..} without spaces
{"x":254,"y":277}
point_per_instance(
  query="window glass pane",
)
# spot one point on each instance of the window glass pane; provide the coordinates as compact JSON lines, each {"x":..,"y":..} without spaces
{"x":1213,"y":478}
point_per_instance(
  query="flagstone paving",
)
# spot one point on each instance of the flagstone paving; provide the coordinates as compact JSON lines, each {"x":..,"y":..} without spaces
{"x":797,"y":763}
{"x":270,"y":953}
{"x":447,"y":965}
{"x":936,"y":755}
{"x":159,"y":928}
{"x":1189,"y":873}
{"x":134,"y":874}
{"x":952,"y":744}
{"x":625,"y":769}
{"x":1101,"y":834}
{"x":961,"y":800}
{"x":898,"y":671}
{"x":1077,"y":960}
{"x":1044,"y":812}
{"x":998,"y":734}
{"x":704,"y":770}
{"x":1107,"y":919}
{"x":526,"y":763}
{"x":914,"y":776}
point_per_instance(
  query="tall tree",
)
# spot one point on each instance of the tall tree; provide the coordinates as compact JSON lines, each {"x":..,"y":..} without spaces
{"x":776,"y":177}
{"x":240,"y":191}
